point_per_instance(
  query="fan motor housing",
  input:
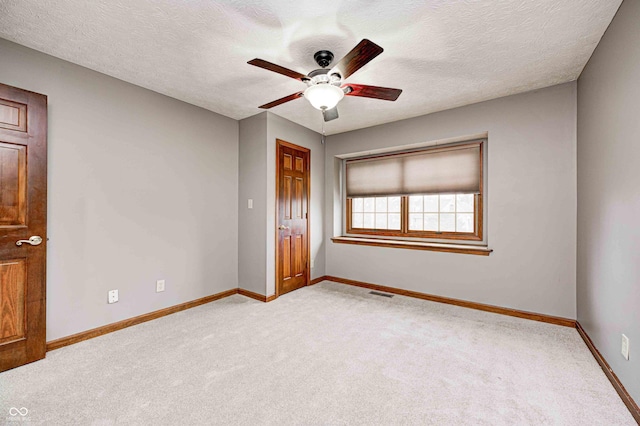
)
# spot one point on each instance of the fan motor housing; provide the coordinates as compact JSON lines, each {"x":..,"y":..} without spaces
{"x":321,"y":76}
{"x":316,"y":73}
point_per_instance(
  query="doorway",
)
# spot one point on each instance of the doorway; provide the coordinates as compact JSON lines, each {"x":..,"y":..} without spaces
{"x":293,"y":185}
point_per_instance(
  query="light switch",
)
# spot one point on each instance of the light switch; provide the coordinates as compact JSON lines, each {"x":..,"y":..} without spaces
{"x":250,"y":203}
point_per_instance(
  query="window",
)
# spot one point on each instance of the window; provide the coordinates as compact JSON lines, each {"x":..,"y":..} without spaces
{"x":433,"y":193}
{"x":376,"y":213}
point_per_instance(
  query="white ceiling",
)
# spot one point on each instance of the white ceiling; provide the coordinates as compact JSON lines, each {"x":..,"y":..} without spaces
{"x":442,"y":53}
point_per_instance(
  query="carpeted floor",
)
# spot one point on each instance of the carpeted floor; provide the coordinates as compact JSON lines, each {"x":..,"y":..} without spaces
{"x":326,"y":354}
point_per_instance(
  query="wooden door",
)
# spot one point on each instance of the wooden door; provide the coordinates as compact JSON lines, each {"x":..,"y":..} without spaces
{"x":23,"y":216}
{"x":292,"y":201}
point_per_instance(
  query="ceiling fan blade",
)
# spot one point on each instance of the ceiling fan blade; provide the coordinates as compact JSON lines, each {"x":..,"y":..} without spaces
{"x":330,"y":114}
{"x":359,"y":56}
{"x":282,"y":100}
{"x":385,"y":93}
{"x":261,"y":63}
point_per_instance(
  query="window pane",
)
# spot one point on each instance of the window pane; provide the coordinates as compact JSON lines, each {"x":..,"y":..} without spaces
{"x":465,"y":203}
{"x":448,"y":222}
{"x":431,"y":203}
{"x":394,"y":221}
{"x":381,"y":221}
{"x":447,"y":203}
{"x":381,"y":204}
{"x":356,"y":220}
{"x":415,"y":221}
{"x":464,"y":222}
{"x":431,"y":222}
{"x":356,"y":204}
{"x":368,"y":220}
{"x":394,"y":204}
{"x":415,"y":203}
{"x":369,"y":205}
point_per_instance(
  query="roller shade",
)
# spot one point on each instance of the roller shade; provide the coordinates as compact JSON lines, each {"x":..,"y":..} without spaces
{"x":455,"y":169}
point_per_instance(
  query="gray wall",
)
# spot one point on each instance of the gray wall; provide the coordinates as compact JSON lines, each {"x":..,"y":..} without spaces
{"x":252,"y":226}
{"x":608,"y":281}
{"x":531,"y":198}
{"x":257,"y":227}
{"x":141,"y":187}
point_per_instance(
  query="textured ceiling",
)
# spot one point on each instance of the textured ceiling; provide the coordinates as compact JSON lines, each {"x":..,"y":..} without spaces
{"x":442,"y":53}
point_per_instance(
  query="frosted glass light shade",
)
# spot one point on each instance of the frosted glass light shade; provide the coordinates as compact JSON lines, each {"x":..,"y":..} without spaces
{"x":324,"y":96}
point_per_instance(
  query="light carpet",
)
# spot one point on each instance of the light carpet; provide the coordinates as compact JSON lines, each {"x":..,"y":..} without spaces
{"x":326,"y":354}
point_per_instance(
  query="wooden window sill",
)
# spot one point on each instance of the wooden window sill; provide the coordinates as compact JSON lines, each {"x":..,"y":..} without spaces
{"x":415,"y":245}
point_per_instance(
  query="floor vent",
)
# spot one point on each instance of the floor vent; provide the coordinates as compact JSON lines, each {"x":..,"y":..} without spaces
{"x":377,"y":293}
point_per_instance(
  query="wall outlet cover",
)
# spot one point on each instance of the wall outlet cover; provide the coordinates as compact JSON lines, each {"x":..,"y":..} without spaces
{"x":625,"y":347}
{"x":113,"y":296}
{"x":159,"y":286}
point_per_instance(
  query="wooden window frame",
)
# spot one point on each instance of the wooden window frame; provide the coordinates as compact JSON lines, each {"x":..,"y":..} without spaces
{"x":404,"y":231}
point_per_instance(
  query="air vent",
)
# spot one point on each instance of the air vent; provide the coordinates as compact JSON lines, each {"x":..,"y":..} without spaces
{"x":377,"y":293}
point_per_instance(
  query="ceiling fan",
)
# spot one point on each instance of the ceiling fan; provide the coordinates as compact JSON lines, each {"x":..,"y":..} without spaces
{"x":326,"y":87}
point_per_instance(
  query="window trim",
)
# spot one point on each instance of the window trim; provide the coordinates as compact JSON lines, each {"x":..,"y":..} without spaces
{"x":479,"y":211}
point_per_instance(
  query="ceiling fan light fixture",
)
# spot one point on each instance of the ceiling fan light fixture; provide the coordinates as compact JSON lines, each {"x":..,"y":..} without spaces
{"x":323,"y":96}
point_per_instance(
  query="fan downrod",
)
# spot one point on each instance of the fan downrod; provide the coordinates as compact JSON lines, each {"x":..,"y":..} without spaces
{"x":323,"y":58}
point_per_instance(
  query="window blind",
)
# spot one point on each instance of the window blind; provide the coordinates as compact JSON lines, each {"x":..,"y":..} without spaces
{"x":455,"y":169}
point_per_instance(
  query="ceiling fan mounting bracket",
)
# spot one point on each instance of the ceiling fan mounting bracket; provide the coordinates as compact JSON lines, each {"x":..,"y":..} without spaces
{"x":323,"y":58}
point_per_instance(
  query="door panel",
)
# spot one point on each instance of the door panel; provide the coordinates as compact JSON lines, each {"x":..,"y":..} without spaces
{"x":299,"y":197}
{"x":287,"y":197}
{"x":13,"y":115}
{"x":286,"y":258}
{"x":23,"y":208}
{"x":13,"y":175}
{"x":12,"y":301}
{"x":292,"y":268}
{"x":299,"y":256}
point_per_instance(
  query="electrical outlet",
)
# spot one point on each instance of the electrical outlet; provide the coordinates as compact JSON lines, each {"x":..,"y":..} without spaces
{"x":159,"y":286}
{"x":113,"y":296}
{"x":625,"y":347}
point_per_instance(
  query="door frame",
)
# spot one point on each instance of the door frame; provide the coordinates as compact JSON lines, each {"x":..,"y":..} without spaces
{"x":281,"y":143}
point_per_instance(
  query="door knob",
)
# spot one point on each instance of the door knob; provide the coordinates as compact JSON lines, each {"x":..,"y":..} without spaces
{"x":36,"y":240}
{"x":282,"y":227}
